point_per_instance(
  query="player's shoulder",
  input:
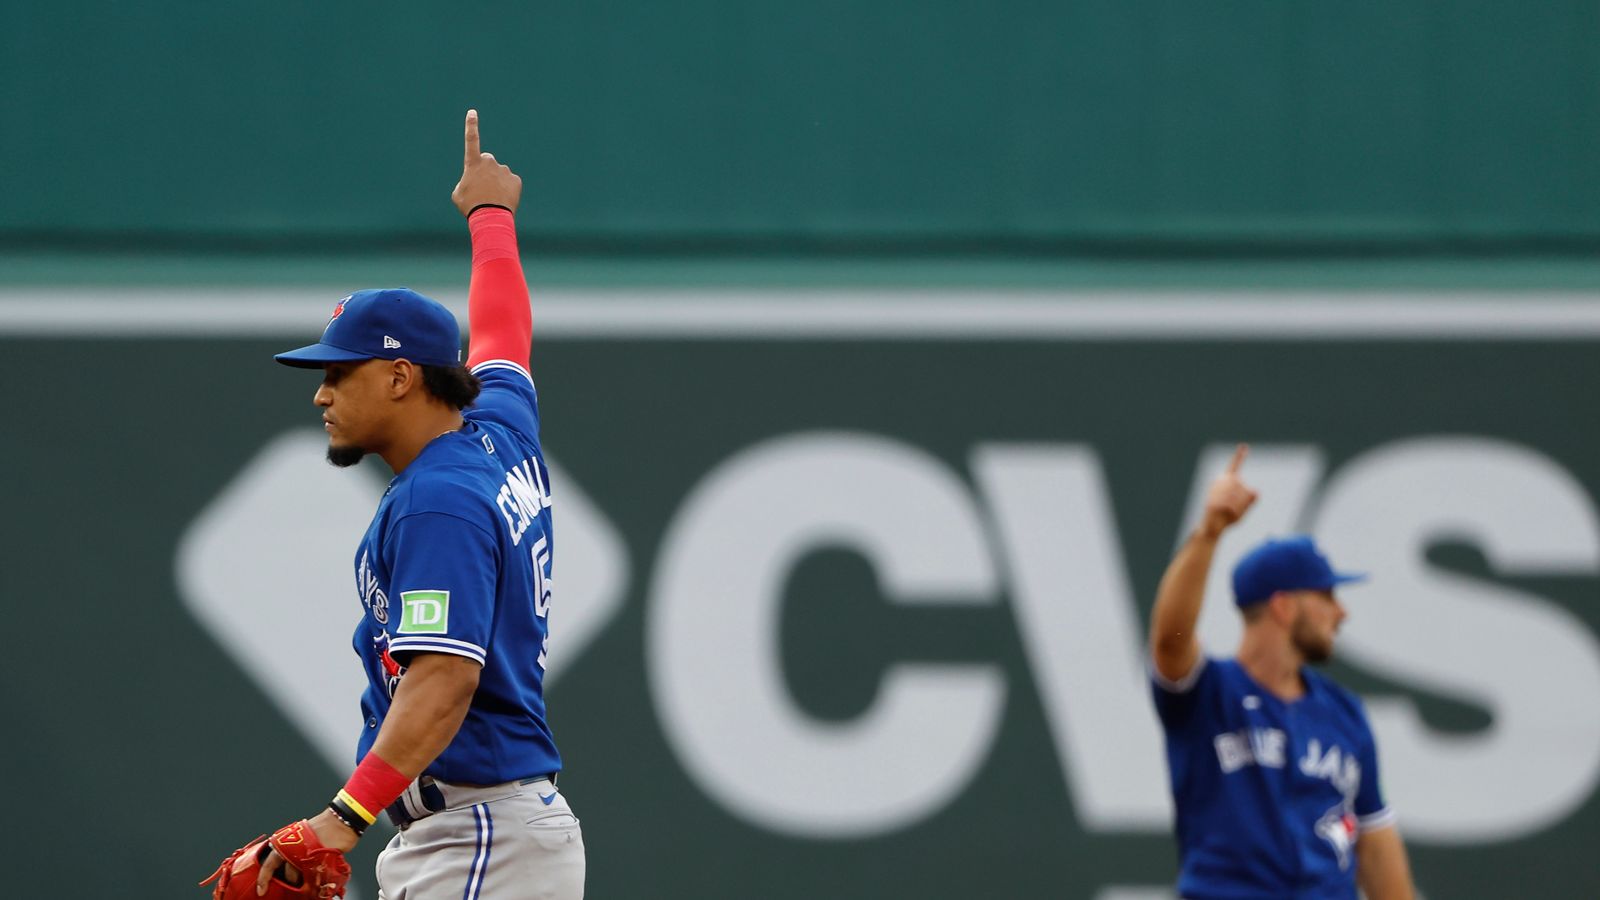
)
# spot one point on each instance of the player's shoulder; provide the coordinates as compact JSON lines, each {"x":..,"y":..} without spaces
{"x":1334,"y":694}
{"x":506,"y":370}
{"x":1227,"y":673}
{"x":506,"y":376}
{"x":1203,"y":668}
{"x":452,"y":476}
{"x":1191,"y":704}
{"x":500,"y":446}
{"x":507,"y":396}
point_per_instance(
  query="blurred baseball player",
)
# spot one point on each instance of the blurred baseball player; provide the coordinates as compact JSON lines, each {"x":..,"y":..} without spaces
{"x":1274,"y":769}
{"x":454,"y":578}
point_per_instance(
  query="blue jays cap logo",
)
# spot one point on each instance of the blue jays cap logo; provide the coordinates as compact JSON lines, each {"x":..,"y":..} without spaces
{"x":338,"y":310}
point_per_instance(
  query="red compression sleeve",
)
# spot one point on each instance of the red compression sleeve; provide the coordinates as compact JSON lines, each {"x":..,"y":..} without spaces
{"x":372,"y":787}
{"x":498,"y":316}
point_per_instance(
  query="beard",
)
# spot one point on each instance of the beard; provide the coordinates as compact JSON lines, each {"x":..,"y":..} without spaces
{"x":1311,"y":645}
{"x":345,"y":457}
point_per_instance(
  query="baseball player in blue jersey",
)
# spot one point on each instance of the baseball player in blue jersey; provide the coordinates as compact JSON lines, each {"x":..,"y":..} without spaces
{"x":1274,"y":768}
{"x":454,"y":582}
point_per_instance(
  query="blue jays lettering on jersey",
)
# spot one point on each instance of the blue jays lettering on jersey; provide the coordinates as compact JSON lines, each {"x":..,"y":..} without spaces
{"x":458,"y":560}
{"x":1270,"y":794}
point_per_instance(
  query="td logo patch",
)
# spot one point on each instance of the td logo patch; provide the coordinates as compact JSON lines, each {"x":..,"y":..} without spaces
{"x":424,"y":612}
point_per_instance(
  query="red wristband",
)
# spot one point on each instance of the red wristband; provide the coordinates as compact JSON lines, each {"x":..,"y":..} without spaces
{"x":372,"y":787}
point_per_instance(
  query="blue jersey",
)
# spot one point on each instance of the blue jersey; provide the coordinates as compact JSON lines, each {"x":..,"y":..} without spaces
{"x":458,"y":560}
{"x":1270,"y":794}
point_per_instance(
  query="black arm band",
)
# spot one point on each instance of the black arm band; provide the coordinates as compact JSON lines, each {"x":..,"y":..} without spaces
{"x":487,"y":206}
{"x":348,"y":816}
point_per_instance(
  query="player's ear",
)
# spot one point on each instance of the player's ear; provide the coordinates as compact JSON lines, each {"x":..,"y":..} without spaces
{"x":404,"y":377}
{"x":1283,"y":606}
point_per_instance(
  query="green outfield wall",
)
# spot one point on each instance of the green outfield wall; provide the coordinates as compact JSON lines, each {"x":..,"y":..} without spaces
{"x":823,"y":126}
{"x":846,"y":606}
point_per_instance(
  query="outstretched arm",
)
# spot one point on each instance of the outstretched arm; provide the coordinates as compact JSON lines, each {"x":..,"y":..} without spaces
{"x":1174,"y":647}
{"x":499,"y":318}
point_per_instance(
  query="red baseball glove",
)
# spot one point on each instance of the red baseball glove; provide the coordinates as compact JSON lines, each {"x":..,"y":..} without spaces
{"x":317,"y":871}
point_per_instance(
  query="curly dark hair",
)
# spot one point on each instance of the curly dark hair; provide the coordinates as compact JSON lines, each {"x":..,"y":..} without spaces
{"x":454,"y":385}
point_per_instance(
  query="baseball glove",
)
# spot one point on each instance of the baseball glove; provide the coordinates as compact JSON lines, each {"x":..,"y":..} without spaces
{"x":318,"y":871}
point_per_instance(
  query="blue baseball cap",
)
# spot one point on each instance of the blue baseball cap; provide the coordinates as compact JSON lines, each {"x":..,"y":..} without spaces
{"x":1285,"y":564}
{"x":385,"y":323}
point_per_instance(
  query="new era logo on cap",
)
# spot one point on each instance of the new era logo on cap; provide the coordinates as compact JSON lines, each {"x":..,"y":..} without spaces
{"x":390,"y":343}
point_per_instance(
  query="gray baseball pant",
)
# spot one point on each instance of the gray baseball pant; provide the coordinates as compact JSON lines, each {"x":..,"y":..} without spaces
{"x":507,"y":842}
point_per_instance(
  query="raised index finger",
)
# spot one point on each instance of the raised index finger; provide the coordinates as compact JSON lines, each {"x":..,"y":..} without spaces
{"x":1239,"y":453}
{"x":472,"y":136}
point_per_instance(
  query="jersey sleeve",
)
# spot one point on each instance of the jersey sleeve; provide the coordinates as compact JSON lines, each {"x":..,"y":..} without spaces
{"x":443,"y":581}
{"x":508,"y":397}
{"x":1371,"y":811}
{"x":1176,"y":700}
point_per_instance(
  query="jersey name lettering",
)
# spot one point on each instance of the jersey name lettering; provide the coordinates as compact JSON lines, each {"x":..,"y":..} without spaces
{"x":522,"y":498}
{"x":1336,"y":766}
{"x":1253,"y":746}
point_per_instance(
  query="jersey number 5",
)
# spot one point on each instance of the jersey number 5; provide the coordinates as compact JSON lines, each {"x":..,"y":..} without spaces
{"x":541,"y":579}
{"x":541,"y":589}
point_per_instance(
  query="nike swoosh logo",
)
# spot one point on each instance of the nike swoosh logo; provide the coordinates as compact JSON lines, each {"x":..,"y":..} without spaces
{"x":548,"y":799}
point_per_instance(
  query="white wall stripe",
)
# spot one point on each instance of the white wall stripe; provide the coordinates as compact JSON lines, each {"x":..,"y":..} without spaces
{"x":845,"y":314}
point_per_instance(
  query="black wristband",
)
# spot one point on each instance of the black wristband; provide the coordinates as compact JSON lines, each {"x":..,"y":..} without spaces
{"x":348,"y":816}
{"x":486,"y":206}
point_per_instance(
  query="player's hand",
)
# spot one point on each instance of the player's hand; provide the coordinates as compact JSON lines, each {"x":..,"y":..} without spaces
{"x":329,"y":830}
{"x":483,"y":179}
{"x":271,"y":864}
{"x":1228,"y":498}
